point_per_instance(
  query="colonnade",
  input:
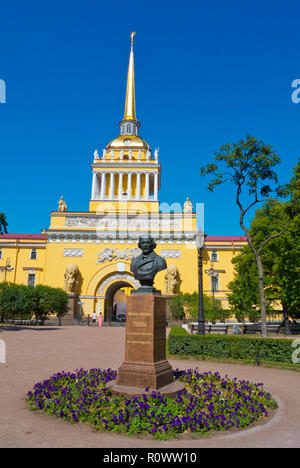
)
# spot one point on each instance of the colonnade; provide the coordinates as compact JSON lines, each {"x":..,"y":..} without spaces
{"x":104,"y":185}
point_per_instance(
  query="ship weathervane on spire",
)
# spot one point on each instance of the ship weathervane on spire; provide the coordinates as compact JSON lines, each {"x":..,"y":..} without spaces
{"x":132,"y":36}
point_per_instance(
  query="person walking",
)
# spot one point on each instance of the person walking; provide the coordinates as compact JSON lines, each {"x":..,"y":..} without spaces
{"x":100,"y":320}
{"x":94,"y":319}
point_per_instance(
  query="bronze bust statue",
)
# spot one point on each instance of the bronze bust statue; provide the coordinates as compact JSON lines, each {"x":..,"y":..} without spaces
{"x":145,"y":266}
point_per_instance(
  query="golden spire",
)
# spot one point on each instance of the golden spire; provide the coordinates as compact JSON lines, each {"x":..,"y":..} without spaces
{"x":129,"y":113}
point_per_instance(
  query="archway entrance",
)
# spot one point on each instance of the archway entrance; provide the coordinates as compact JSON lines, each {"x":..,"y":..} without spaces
{"x":116,"y":300}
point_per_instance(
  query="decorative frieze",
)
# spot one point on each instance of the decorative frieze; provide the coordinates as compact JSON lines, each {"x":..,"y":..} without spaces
{"x":73,"y":252}
{"x":115,"y":254}
{"x":111,"y":222}
{"x":170,"y":253}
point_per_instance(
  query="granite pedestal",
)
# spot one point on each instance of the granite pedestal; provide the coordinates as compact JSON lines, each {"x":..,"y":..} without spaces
{"x":145,"y":364}
{"x":73,"y":305}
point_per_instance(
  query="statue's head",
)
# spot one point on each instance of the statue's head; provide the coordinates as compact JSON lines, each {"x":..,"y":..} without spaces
{"x":70,"y":276}
{"x":173,"y":271}
{"x":147,"y":244}
{"x":72,"y":269}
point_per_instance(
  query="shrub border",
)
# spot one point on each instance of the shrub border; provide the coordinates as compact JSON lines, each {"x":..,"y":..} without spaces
{"x":244,"y":348}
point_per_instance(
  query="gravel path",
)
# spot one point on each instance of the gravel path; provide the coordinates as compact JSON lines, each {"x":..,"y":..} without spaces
{"x":33,"y":354}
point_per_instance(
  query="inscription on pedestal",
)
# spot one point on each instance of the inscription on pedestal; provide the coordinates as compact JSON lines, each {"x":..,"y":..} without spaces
{"x":139,"y":324}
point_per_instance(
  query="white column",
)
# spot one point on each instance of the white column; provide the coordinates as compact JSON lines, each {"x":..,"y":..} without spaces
{"x":103,"y":186}
{"x":111,"y":185}
{"x":129,"y":186}
{"x":147,"y":186}
{"x":94,"y":186}
{"x":156,"y":186}
{"x":138,"y":186}
{"x":120,"y":190}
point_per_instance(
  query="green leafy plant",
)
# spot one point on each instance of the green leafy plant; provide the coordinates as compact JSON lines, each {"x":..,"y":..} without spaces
{"x":20,"y":301}
{"x":232,"y":346}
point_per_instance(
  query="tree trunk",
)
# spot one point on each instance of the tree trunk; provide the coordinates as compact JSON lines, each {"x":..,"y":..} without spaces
{"x":287,"y":330}
{"x":263,"y":306}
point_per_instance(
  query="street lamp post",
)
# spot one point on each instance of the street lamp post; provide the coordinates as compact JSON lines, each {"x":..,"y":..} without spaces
{"x":200,"y":237}
{"x":6,"y":268}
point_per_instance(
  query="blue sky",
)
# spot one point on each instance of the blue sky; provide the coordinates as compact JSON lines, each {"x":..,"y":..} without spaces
{"x":206,"y":74}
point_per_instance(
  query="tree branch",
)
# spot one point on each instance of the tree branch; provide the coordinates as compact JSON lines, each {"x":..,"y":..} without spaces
{"x":274,"y":236}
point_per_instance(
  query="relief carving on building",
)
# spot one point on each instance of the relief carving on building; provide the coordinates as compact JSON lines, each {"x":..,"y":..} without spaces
{"x":170,"y":253}
{"x":109,"y":254}
{"x":73,"y":252}
{"x":141,"y":222}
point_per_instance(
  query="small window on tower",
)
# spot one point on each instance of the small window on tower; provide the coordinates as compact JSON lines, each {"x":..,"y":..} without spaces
{"x":1,"y":254}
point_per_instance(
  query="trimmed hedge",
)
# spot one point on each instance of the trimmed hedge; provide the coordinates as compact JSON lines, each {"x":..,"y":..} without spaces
{"x":178,"y":331}
{"x":231,"y":347}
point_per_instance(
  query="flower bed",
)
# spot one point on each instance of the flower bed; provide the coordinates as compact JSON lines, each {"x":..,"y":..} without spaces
{"x":208,"y":403}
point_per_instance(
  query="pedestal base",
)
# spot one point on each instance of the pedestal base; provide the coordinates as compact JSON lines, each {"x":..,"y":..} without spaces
{"x":154,"y":375}
{"x":72,"y":305}
{"x":169,"y":390}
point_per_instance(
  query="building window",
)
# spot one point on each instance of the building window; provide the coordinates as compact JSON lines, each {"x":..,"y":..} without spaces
{"x":33,"y":254}
{"x":1,"y":254}
{"x":31,"y":279}
{"x":214,"y":257}
{"x":215,"y":283}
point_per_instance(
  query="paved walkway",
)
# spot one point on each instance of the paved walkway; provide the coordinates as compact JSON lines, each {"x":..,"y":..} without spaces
{"x":33,"y":354}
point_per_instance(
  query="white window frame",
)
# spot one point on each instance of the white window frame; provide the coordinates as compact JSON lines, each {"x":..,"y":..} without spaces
{"x":33,"y":276}
{"x":35,"y":252}
{"x":217,"y":283}
{"x":212,"y":254}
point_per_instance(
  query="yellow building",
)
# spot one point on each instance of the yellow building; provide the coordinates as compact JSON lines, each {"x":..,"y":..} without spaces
{"x":100,"y":243}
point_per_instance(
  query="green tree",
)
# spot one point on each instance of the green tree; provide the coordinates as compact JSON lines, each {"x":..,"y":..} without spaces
{"x":10,"y":301}
{"x":3,"y":223}
{"x":176,"y":307}
{"x":20,"y":301}
{"x":51,"y":301}
{"x":280,"y":257}
{"x":248,"y":165}
{"x":244,"y":295}
{"x":59,"y":302}
{"x":186,"y":305}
